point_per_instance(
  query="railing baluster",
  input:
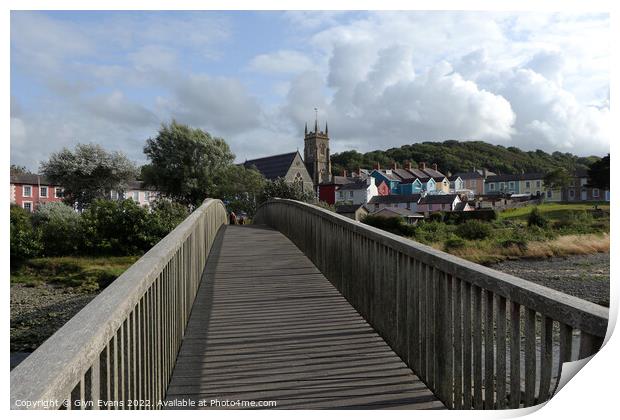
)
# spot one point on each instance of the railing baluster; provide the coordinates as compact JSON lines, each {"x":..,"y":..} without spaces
{"x":467,"y":349}
{"x":458,"y":343}
{"x":477,"y":350}
{"x":489,"y":348}
{"x":530,"y":357}
{"x":515,"y":355}
{"x":546,"y":359}
{"x":501,"y":352}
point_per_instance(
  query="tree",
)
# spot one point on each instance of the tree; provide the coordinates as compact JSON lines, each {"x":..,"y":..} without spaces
{"x":88,"y":173}
{"x":240,"y":188}
{"x":25,"y":239}
{"x":556,"y":178}
{"x":598,"y":174}
{"x":19,"y":169}
{"x":282,"y":189}
{"x":60,"y":227}
{"x":186,"y":164}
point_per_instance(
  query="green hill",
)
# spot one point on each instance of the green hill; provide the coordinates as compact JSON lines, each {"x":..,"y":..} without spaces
{"x":461,"y":156}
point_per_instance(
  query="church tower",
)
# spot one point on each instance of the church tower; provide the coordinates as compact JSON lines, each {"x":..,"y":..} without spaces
{"x":316,"y":154}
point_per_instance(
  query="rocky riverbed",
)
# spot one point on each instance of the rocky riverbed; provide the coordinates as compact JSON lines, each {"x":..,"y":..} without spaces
{"x":37,"y":312}
{"x":584,"y":276}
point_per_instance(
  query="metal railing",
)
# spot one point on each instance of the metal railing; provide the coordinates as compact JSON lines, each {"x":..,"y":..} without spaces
{"x":477,"y":337}
{"x":119,"y":351}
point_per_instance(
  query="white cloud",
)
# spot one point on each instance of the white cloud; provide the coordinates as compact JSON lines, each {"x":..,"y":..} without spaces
{"x":283,"y":61}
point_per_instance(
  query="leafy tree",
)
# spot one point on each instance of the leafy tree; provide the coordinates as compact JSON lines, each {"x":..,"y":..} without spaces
{"x":18,"y":169}
{"x":117,"y":228}
{"x":186,"y":164}
{"x":557,"y":178}
{"x":241,"y":188}
{"x":598,"y":174}
{"x":165,"y":215}
{"x":88,"y":173}
{"x":536,"y":218}
{"x":279,"y":188}
{"x":25,"y":239}
{"x":60,"y":227}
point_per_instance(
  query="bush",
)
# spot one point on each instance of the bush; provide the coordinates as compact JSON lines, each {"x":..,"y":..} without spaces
{"x":429,"y":232}
{"x":535,"y":218}
{"x":487,"y":215}
{"x":454,"y":242}
{"x":390,"y":224}
{"x":60,"y":227}
{"x":25,"y":241}
{"x":165,"y":215}
{"x":474,"y":229}
{"x":519,"y":242}
{"x":117,"y":228}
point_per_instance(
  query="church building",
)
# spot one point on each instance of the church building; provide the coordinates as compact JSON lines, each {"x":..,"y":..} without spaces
{"x":316,"y":154}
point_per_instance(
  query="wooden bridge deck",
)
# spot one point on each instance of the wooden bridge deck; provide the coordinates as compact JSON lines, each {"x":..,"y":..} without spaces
{"x":268,"y":326}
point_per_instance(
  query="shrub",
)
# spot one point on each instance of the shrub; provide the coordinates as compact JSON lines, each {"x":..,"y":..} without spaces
{"x":517,"y":241}
{"x":429,"y":232}
{"x":390,"y":224}
{"x":487,"y":215}
{"x":454,"y":242}
{"x":61,"y":230}
{"x":165,"y":215}
{"x":535,"y":218}
{"x":474,"y":229}
{"x":117,"y":228}
{"x":25,"y":239}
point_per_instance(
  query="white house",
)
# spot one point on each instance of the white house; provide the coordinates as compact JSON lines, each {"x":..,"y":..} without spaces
{"x":359,"y":192}
{"x":138,"y":192}
{"x":409,"y":202}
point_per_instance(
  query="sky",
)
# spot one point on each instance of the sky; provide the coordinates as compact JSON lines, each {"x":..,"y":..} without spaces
{"x":532,"y":80}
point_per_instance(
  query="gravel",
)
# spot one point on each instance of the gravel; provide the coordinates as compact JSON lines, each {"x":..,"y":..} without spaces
{"x":584,"y":276}
{"x":37,"y":312}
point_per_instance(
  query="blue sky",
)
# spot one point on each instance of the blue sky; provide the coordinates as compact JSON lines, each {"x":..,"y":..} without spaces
{"x":382,"y":79}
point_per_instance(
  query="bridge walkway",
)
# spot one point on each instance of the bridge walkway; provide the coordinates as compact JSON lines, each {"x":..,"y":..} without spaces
{"x":266,"y":325}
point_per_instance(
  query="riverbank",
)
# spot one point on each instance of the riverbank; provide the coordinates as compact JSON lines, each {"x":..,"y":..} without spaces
{"x":583,"y":276}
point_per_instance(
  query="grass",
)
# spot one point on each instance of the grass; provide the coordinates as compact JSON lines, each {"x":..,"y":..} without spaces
{"x":88,"y":274}
{"x":487,"y":252}
{"x":555,"y":211}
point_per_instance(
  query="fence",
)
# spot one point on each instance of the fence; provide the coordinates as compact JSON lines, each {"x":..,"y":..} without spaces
{"x":118,"y":352}
{"x":477,"y":337}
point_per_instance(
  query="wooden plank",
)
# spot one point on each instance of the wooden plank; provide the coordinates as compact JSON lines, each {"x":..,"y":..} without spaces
{"x":304,"y":346}
{"x":530,"y":357}
{"x":489,"y":350}
{"x":515,"y":355}
{"x":546,"y":359}
{"x":477,"y":350}
{"x":501,"y":352}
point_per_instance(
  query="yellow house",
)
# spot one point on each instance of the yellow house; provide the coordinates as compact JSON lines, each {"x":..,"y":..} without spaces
{"x":535,"y":184}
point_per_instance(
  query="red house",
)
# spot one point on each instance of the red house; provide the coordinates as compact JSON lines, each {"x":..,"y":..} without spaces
{"x":30,"y":190}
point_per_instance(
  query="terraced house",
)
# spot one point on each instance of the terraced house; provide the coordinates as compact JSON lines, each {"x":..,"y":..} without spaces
{"x":409,"y":180}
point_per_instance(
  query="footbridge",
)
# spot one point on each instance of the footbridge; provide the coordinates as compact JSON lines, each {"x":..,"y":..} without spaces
{"x":307,"y":309}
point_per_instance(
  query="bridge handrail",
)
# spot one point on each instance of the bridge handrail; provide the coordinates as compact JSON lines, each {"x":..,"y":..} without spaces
{"x":429,"y":304}
{"x":121,"y":347}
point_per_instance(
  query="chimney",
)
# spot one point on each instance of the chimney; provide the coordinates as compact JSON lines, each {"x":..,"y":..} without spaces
{"x":344,"y":173}
{"x":376,"y":166}
{"x":422,"y":166}
{"x":484,"y":173}
{"x":359,"y":172}
{"x":394,"y":165}
{"x":408,"y":165}
{"x":434,"y":166}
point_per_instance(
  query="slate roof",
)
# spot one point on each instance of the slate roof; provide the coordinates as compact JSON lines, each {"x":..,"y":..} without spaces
{"x":438,"y":199}
{"x":460,"y":206}
{"x":138,"y":185}
{"x":30,"y":179}
{"x":515,"y":177}
{"x":399,"y":211}
{"x":348,"y":208}
{"x":394,"y":198}
{"x":469,"y":175}
{"x":453,"y":178}
{"x":272,"y":167}
{"x":357,"y":185}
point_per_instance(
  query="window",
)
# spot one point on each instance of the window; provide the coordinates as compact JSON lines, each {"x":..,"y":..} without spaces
{"x":491,"y":187}
{"x":584,"y":181}
{"x":549,"y":193}
{"x":537,"y":184}
{"x":571,"y":193}
{"x":114,"y":195}
{"x":136,"y":195}
{"x":351,"y":194}
{"x":595,"y":193}
{"x":511,"y":185}
{"x":58,"y":192}
{"x":43,"y":192}
{"x":502,"y":185}
{"x":27,"y":206}
{"x":147,"y":195}
{"x":341,"y":194}
{"x":27,"y":190}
